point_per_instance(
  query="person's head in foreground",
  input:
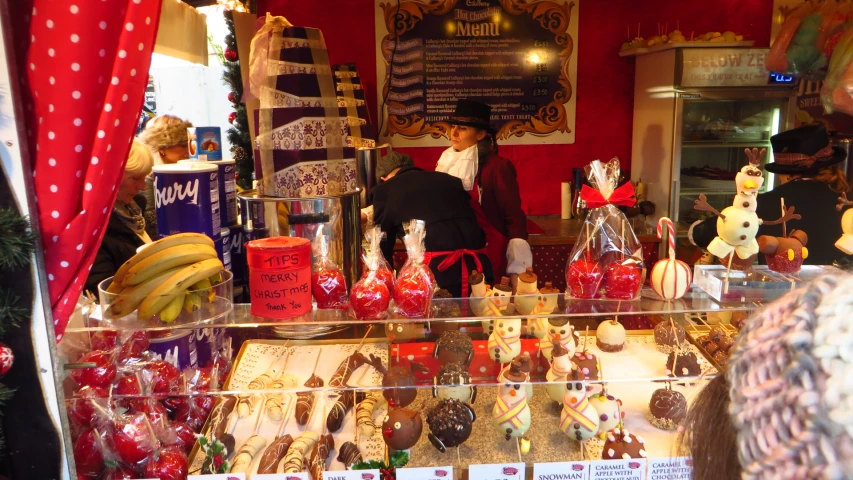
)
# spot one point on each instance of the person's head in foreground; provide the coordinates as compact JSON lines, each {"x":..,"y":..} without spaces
{"x":784,"y":408}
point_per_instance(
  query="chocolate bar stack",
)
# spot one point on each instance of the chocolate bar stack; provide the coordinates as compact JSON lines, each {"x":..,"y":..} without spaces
{"x":307,"y":129}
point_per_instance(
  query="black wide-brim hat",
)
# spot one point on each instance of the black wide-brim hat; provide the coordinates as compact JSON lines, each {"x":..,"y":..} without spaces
{"x":471,"y":113}
{"x":803,"y":150}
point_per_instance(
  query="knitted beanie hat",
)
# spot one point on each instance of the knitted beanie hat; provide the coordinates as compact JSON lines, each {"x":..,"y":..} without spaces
{"x":164,"y":131}
{"x":791,"y":385}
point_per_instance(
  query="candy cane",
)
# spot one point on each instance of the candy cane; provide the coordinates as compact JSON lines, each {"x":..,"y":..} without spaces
{"x":671,"y":231}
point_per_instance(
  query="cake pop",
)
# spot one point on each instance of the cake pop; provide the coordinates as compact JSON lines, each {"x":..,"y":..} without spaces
{"x":399,"y":384}
{"x":524,"y":364}
{"x":454,"y":346}
{"x":610,"y":336}
{"x":480,"y":292}
{"x":505,"y":341}
{"x":667,"y":408}
{"x":622,"y":445}
{"x":670,"y":278}
{"x":785,"y":254}
{"x":404,"y":332}
{"x":559,"y":331}
{"x":669,"y":336}
{"x":511,"y":413}
{"x":497,"y":302}
{"x":561,"y":367}
{"x":610,"y":414}
{"x":526,"y":296}
{"x":454,"y":381}
{"x":450,"y":423}
{"x":578,"y":419}
{"x":682,"y":363}
{"x":402,"y":428}
{"x":538,"y":327}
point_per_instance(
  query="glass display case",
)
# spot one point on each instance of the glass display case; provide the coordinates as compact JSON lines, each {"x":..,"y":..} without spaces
{"x":714,"y":131}
{"x":576,"y":381}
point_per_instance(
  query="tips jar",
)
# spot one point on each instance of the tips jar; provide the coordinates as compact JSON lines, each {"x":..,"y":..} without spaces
{"x":279,"y":276}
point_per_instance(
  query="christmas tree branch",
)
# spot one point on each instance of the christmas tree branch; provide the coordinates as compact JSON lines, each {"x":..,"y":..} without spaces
{"x":16,"y":240}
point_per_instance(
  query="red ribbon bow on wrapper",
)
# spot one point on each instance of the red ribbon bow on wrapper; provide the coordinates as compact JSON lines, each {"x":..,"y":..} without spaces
{"x":622,"y":196}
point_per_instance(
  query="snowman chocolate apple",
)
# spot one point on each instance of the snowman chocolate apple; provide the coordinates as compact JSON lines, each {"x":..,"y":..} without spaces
{"x":738,"y":224}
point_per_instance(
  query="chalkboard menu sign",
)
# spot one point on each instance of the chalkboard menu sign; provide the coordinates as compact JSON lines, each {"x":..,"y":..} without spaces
{"x":519,"y":56}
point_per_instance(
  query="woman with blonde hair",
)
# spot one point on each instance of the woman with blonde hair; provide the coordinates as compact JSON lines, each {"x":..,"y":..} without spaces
{"x":166,"y":136}
{"x":126,"y":228}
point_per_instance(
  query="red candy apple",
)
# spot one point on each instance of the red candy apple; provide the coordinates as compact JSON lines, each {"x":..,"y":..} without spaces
{"x":370,"y":298}
{"x":413,"y":293}
{"x":170,"y":463}
{"x":180,"y":435}
{"x":104,"y":340}
{"x":584,"y":278}
{"x":134,"y":346}
{"x":119,"y":472}
{"x":383,"y":274}
{"x":165,"y":377}
{"x":622,"y":281}
{"x":82,"y":410}
{"x":329,"y":288}
{"x":133,"y":438}
{"x":101,"y":375}
{"x":88,"y":455}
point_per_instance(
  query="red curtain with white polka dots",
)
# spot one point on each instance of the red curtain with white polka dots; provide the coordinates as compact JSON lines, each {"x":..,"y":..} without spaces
{"x":84,"y":69}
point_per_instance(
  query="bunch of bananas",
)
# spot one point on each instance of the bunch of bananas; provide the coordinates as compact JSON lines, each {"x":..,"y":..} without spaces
{"x":157,"y":279}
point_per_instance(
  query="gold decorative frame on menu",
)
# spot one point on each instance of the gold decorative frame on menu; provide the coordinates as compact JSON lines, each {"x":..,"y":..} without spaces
{"x":551,"y":123}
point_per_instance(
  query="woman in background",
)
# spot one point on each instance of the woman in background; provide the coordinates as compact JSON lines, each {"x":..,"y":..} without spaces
{"x":126,"y":228}
{"x":491,"y":181}
{"x":166,"y":136}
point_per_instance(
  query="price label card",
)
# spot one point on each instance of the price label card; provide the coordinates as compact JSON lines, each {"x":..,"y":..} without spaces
{"x":631,"y":469}
{"x":675,"y":468}
{"x":427,"y":473}
{"x":561,"y":470}
{"x":282,"y":476}
{"x":501,"y":471}
{"x":353,"y":475}
{"x":219,"y":476}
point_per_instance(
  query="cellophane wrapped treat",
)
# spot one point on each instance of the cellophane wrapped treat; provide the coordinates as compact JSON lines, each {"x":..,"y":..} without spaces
{"x":371,"y":295}
{"x":328,"y":283}
{"x":415,"y":284}
{"x":373,"y":236}
{"x":607,"y":257}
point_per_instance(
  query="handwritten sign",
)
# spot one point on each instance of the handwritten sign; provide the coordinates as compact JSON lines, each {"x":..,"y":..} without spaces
{"x":502,"y":471}
{"x":631,"y":469}
{"x":426,"y":473}
{"x":353,"y":475}
{"x":561,"y":471}
{"x":282,"y":476}
{"x":280,"y":276}
{"x":219,"y":476}
{"x":676,"y":468}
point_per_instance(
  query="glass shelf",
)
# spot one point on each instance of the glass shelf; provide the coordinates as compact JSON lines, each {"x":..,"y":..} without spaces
{"x":647,"y":304}
{"x":724,"y":144}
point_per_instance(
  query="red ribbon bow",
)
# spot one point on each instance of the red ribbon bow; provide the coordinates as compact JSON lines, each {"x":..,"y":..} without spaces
{"x":622,"y":196}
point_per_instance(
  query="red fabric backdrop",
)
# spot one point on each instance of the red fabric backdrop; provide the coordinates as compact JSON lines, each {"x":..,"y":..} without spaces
{"x":87,"y":68}
{"x":605,"y":85}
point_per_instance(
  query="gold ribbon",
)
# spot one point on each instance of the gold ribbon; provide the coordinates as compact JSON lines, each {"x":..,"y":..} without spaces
{"x":259,"y":52}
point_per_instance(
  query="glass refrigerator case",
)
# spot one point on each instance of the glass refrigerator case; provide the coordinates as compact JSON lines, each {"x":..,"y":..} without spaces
{"x":695,"y":111}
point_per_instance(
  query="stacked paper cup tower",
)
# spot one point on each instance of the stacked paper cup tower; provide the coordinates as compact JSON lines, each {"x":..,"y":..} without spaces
{"x":311,"y":120}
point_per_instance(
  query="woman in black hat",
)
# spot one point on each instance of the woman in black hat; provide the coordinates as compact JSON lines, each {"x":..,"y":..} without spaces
{"x":811,"y":181}
{"x":491,"y":181}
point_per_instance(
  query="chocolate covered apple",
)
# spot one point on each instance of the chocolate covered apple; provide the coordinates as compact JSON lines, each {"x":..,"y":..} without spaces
{"x":402,"y":428}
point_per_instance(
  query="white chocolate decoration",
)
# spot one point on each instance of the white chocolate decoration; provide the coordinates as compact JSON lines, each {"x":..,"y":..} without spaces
{"x":738,"y":224}
{"x":511,"y":413}
{"x":671,"y":278}
{"x":561,"y":367}
{"x":505,"y":341}
{"x":563,"y":334}
{"x":610,"y":333}
{"x":607,"y":407}
{"x":578,"y":419}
